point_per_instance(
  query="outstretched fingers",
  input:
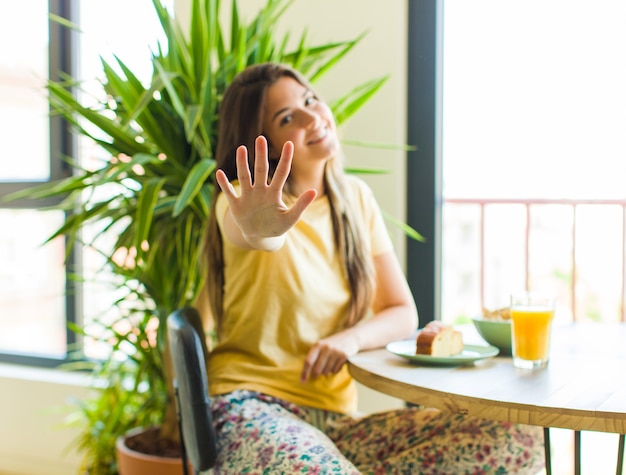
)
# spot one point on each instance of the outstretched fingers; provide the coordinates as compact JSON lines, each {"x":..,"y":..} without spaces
{"x":257,"y":207}
{"x":225,"y":185}
{"x":261,"y":161}
{"x":243,"y":171}
{"x":284,"y":166}
{"x":303,"y":201}
{"x":280,"y":178}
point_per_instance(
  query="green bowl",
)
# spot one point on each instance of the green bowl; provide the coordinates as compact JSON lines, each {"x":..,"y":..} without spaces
{"x":496,"y":333}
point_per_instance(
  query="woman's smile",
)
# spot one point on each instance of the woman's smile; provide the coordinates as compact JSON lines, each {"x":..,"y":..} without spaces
{"x":294,"y":113}
{"x":318,"y":136}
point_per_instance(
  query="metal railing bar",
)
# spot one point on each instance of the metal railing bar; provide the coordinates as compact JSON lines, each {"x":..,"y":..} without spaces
{"x":623,"y":296}
{"x":482,"y":256}
{"x":528,"y":203}
{"x":542,"y":201}
{"x":574,"y":267}
{"x":527,"y":248}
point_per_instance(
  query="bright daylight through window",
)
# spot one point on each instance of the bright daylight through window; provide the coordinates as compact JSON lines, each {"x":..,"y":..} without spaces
{"x":34,"y":304}
{"x":32,"y":278}
{"x":534,"y":94}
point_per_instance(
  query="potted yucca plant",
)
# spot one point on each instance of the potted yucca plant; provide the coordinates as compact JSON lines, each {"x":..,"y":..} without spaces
{"x":152,"y":194}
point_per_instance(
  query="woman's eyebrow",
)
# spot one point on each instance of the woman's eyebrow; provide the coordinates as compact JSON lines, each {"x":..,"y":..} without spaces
{"x":279,"y":112}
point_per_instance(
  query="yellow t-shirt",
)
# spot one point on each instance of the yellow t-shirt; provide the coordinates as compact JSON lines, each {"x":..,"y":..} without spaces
{"x":278,"y":304}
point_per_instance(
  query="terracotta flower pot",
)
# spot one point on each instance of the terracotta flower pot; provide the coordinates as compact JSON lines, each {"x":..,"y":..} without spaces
{"x":132,"y":462}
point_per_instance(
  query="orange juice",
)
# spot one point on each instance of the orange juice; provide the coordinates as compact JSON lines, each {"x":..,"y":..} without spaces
{"x":531,"y":332}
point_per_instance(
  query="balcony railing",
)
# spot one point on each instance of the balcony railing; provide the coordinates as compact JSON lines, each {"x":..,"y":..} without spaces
{"x":575,"y":248}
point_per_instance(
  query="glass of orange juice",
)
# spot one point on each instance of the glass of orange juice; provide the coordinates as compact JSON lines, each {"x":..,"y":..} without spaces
{"x":531,"y":319}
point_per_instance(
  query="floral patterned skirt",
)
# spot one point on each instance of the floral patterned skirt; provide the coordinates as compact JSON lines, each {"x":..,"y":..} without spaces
{"x":258,"y":434}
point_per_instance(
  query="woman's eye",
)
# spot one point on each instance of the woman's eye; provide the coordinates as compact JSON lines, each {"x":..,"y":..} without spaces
{"x":309,"y":100}
{"x":286,"y":119}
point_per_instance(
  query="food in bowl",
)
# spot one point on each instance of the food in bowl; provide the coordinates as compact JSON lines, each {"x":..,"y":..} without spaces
{"x":499,"y":314}
{"x":495,"y":328}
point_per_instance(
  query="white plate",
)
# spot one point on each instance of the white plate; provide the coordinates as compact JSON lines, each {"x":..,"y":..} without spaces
{"x":470,"y":353}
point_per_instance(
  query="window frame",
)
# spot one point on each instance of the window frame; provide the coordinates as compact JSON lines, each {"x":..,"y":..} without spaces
{"x":62,"y":54}
{"x":424,"y":196}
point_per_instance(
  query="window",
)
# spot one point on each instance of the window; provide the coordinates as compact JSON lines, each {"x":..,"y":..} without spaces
{"x":32,"y":277}
{"x":38,"y":297}
{"x":100,"y":39}
{"x":518,"y":117}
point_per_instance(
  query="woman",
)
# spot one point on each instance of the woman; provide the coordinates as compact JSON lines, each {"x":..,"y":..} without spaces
{"x":302,"y":276}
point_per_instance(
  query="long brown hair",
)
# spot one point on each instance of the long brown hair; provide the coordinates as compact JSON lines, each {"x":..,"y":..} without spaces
{"x":241,"y":113}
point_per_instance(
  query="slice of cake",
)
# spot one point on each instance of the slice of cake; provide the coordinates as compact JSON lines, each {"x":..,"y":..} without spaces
{"x":439,"y":339}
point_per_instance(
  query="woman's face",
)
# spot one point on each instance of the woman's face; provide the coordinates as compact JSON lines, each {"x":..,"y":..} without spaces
{"x":293,"y":112}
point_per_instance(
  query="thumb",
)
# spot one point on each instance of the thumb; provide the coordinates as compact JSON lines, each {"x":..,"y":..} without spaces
{"x":309,"y":361}
{"x":303,"y":201}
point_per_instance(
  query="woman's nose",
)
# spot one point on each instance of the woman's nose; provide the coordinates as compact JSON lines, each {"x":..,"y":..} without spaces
{"x":310,"y":119}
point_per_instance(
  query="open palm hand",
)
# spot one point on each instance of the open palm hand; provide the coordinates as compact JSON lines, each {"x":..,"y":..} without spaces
{"x":259,"y":211}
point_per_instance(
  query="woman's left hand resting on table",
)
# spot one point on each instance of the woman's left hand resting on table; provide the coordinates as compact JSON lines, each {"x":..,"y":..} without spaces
{"x":395,"y":318}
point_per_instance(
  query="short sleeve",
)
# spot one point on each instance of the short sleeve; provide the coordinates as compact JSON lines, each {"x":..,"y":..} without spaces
{"x":372,"y":218}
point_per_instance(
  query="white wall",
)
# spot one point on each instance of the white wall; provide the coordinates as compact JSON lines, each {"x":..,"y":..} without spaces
{"x":32,"y":441}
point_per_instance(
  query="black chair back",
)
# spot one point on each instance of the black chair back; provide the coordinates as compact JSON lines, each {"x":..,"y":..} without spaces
{"x":189,"y":351}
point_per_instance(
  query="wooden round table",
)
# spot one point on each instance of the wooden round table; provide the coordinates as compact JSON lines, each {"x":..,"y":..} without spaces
{"x":582,"y":388}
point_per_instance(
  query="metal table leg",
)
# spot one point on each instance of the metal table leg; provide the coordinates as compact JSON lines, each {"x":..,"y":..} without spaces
{"x":620,"y":454}
{"x":577,"y":443}
{"x":578,"y":450}
{"x":546,"y":450}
